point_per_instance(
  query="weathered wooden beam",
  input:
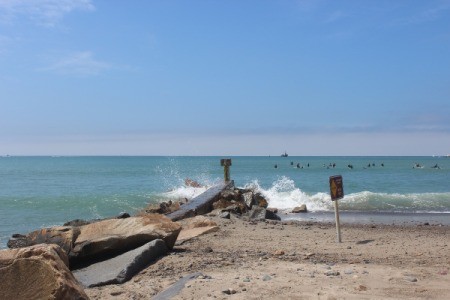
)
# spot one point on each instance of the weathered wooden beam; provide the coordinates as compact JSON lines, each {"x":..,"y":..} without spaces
{"x":201,"y":204}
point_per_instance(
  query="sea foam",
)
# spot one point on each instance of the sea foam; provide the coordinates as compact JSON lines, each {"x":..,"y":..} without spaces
{"x":284,"y":195}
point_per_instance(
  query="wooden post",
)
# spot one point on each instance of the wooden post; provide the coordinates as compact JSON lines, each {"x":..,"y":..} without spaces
{"x":337,"y":192}
{"x":226,"y":163}
{"x":338,"y":224}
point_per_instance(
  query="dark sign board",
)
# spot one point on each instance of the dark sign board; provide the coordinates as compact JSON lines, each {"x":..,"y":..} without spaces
{"x":336,"y":187}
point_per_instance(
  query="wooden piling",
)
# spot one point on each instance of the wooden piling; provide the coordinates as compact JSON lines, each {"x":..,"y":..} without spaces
{"x":226,"y":163}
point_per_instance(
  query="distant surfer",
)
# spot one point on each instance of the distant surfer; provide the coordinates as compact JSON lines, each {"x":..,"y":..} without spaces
{"x":276,"y":166}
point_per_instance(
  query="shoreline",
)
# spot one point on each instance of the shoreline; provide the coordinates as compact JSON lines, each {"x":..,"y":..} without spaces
{"x":376,"y":218}
{"x":346,"y":218}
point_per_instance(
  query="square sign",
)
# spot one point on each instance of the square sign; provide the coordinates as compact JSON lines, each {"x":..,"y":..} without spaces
{"x":336,"y":187}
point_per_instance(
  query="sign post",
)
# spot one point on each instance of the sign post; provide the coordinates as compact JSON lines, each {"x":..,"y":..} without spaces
{"x":336,"y":192}
{"x":226,"y":163}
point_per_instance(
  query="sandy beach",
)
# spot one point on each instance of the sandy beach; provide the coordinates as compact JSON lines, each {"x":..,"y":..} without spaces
{"x":300,"y":260}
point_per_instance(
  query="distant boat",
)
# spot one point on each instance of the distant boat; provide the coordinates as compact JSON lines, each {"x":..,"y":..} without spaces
{"x":284,"y":154}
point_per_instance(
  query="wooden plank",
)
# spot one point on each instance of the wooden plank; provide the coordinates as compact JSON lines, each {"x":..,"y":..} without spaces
{"x":201,"y":204}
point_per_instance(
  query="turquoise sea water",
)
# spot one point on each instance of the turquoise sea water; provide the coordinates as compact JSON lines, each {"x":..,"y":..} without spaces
{"x":38,"y":192}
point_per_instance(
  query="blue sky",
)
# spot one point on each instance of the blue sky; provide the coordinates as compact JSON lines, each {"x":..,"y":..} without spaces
{"x":85,"y":77}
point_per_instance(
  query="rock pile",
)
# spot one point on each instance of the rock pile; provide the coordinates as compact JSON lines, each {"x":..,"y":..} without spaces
{"x":103,"y":238}
{"x":244,"y":202}
{"x":38,"y":264}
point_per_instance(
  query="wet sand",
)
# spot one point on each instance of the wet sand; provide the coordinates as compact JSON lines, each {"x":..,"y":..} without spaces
{"x":300,"y":260}
{"x":372,"y":218}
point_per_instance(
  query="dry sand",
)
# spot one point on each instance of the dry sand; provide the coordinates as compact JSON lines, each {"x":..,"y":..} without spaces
{"x":300,"y":260}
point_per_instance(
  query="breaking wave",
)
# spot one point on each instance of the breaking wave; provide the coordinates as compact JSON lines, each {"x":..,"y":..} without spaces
{"x":284,"y":195}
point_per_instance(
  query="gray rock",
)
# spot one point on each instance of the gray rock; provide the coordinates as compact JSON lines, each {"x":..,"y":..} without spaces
{"x":174,"y":289}
{"x":266,"y":278}
{"x":257,"y":213}
{"x":229,"y":291}
{"x":260,"y":214}
{"x":120,"y":268}
{"x":300,"y":209}
{"x":410,"y":278}
{"x":273,"y":209}
{"x":332,"y":273}
{"x":123,"y":215}
{"x":201,"y":204}
{"x":79,"y":222}
{"x":229,"y":194}
{"x":272,"y":216}
{"x":259,"y":200}
{"x":225,"y":215}
{"x":248,"y":199}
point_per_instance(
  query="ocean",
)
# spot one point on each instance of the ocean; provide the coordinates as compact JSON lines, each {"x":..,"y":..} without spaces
{"x":38,"y":192}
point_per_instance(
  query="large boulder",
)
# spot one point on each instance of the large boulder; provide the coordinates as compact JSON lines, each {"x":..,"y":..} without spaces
{"x":119,"y":235}
{"x":63,"y":236}
{"x":37,"y":272}
{"x":103,"y":238}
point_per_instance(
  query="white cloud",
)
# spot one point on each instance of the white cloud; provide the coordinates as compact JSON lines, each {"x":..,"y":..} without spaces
{"x":78,"y":63}
{"x":44,"y":12}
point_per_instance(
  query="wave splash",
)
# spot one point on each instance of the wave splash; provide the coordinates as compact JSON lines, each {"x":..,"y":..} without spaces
{"x":284,"y":195}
